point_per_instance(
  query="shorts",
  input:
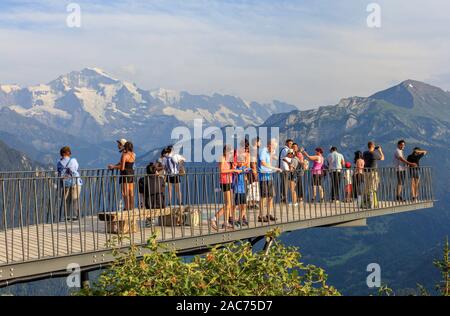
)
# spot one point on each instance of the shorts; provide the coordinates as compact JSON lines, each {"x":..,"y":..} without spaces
{"x":126,"y":179}
{"x":173,"y":179}
{"x":240,"y":198}
{"x":225,"y":187}
{"x":290,"y":176}
{"x":317,"y":179}
{"x":349,"y":188}
{"x":414,"y":173}
{"x":266,"y":188}
{"x":401,"y":175}
{"x":253,"y":192}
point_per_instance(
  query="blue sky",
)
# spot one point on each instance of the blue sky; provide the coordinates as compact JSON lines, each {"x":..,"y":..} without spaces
{"x":308,"y":53}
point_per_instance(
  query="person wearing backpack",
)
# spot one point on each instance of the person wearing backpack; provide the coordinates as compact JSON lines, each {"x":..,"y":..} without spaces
{"x":71,"y":183}
{"x":173,"y":163}
{"x":152,"y":188}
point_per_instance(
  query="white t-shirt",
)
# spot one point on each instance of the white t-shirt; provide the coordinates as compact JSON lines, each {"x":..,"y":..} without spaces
{"x":177,"y":158}
{"x":285,"y":163}
{"x":397,"y":163}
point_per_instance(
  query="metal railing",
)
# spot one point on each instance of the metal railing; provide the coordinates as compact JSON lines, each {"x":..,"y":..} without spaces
{"x":41,"y":218}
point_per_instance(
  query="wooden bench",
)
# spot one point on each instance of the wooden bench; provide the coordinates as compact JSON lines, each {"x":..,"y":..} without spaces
{"x":124,"y":222}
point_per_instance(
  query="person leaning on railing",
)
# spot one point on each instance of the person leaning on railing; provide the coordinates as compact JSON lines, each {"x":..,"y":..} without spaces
{"x":289,"y":165}
{"x":358,"y":177}
{"x":226,"y":170}
{"x":400,"y":163}
{"x":67,"y":168}
{"x":266,"y":170}
{"x":335,"y":162}
{"x":126,"y":180}
{"x":300,"y":165}
{"x":414,"y":172}
{"x":152,"y":188}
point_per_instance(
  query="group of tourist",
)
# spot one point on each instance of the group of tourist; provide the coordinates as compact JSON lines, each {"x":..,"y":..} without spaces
{"x":248,"y":182}
{"x":253,"y":182}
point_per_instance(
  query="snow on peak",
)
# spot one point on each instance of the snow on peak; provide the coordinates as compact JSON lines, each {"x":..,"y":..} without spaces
{"x":8,"y":88}
{"x":131,"y":87}
{"x":165,"y":95}
{"x":99,"y":72}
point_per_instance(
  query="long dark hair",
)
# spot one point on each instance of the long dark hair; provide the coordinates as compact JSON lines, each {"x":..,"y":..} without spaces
{"x":226,"y":148}
{"x":128,"y":147}
{"x":358,"y":155}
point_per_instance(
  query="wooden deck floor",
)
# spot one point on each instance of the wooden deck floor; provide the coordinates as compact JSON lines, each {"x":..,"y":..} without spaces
{"x":89,"y":234}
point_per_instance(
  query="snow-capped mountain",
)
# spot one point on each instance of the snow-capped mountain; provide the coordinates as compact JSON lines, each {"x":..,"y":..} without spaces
{"x":96,"y":106}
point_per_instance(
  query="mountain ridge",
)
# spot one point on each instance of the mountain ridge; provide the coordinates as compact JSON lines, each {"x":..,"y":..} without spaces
{"x":108,"y":100}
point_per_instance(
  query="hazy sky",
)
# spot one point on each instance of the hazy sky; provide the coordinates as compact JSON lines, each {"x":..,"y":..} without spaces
{"x":304,"y":52}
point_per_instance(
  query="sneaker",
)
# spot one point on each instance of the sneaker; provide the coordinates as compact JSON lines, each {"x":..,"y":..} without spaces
{"x":227,"y":226}
{"x":272,"y":218}
{"x":213,"y":224}
{"x":244,"y":222}
{"x":264,"y":219}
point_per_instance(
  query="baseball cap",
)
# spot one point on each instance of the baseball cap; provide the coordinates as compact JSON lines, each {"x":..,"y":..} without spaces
{"x":122,"y":141}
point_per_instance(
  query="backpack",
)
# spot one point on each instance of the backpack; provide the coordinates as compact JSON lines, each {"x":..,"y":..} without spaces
{"x":170,"y":166}
{"x":181,"y":168}
{"x":67,"y":178}
{"x":279,"y":155}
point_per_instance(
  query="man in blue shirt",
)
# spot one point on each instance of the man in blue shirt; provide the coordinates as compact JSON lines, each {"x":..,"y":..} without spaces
{"x":265,"y":170}
{"x":71,"y":183}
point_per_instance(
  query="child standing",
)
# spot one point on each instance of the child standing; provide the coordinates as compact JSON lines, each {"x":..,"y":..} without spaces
{"x":348,"y":175}
{"x":240,"y":195}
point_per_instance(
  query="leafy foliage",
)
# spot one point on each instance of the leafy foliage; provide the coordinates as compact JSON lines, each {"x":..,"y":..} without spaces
{"x":444,"y":267}
{"x":443,"y":287}
{"x":235,"y":269}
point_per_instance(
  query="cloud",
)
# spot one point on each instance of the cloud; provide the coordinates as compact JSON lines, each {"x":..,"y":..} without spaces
{"x":307,"y":53}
